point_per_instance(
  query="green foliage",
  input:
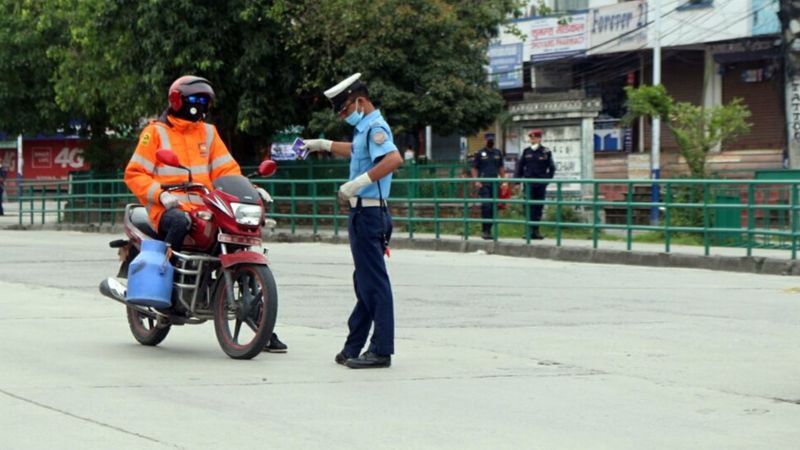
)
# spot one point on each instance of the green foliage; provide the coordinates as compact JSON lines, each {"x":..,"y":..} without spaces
{"x":696,"y":130}
{"x":109,"y":64}
{"x":649,"y":101}
{"x":27,"y":97}
{"x":423,"y":61}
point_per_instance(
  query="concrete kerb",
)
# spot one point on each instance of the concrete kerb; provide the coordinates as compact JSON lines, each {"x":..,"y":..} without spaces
{"x":761,"y":265}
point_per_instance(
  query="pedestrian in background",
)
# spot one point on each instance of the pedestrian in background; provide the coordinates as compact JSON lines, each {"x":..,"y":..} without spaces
{"x":536,"y":162}
{"x":373,"y":157}
{"x":409,"y":155}
{"x":3,"y":175}
{"x":487,"y":163}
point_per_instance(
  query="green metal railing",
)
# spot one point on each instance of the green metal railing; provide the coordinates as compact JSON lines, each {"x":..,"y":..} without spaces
{"x":742,"y":213}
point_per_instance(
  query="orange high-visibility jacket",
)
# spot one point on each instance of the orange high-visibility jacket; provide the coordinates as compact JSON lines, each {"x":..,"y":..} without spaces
{"x":198,"y":147}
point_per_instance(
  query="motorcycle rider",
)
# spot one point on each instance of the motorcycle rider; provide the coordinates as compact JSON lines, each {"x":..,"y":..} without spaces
{"x":182,"y":129}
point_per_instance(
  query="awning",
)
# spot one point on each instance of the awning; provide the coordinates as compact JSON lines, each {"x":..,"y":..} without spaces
{"x":758,"y":55}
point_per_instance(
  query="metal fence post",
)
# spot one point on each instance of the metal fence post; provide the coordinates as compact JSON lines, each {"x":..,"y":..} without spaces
{"x":750,"y":217}
{"x":706,"y":220}
{"x":595,"y":214}
{"x":466,"y":210}
{"x":436,"y":225}
{"x":292,"y":205}
{"x":793,"y":217}
{"x":558,"y":212}
{"x":667,"y":216}
{"x":629,"y":216}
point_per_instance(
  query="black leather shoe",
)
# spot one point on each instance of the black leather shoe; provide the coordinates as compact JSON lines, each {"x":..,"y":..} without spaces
{"x":537,"y":236}
{"x":274,"y":345}
{"x":340,"y":358}
{"x":369,"y":360}
{"x":487,"y":236}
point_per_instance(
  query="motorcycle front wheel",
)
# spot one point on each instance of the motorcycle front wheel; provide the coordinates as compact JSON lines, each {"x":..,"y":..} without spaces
{"x":244,"y":323}
{"x":144,"y":328}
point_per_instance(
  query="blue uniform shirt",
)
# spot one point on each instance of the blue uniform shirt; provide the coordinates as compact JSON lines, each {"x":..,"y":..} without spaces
{"x":363,"y":156}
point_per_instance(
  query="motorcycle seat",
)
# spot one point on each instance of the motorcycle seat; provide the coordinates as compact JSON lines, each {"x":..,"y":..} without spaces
{"x":140,"y":220}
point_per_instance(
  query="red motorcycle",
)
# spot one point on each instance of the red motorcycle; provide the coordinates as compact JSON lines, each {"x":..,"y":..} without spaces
{"x":218,"y":275}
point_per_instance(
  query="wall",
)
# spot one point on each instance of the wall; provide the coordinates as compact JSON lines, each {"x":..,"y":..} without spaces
{"x":764,"y":100}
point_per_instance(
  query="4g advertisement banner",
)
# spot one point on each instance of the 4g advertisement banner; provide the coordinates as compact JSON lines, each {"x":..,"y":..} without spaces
{"x":47,"y":159}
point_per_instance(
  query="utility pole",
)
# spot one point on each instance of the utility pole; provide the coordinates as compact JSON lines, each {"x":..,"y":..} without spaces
{"x":789,"y":15}
{"x":655,"y":146}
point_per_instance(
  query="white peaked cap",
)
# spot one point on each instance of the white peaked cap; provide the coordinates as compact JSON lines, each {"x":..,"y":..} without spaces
{"x":344,"y":84}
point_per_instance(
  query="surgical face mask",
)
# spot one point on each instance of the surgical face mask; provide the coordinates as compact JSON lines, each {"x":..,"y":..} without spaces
{"x":355,"y":116}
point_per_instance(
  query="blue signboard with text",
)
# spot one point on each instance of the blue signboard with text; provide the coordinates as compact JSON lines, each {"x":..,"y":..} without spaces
{"x":505,"y":65}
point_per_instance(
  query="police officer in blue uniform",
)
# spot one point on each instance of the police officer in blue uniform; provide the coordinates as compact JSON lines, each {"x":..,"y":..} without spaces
{"x":536,"y":161}
{"x":373,"y":157}
{"x":487,"y":163}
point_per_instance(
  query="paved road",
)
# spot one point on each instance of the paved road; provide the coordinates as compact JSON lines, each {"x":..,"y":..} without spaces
{"x":492,"y":352}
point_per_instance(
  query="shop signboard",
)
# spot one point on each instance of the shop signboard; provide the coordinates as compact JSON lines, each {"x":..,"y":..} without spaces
{"x":617,"y":28}
{"x":505,"y":65}
{"x":551,"y":37}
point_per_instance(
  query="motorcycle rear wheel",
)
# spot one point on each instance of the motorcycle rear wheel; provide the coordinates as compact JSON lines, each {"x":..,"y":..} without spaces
{"x":255,"y":305}
{"x":144,"y":328}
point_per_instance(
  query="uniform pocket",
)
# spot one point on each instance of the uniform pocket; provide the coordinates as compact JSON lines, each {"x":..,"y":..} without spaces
{"x":368,"y":223}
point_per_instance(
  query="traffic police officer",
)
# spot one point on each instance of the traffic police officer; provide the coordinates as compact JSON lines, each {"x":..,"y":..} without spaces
{"x":487,"y":163}
{"x":373,"y":158}
{"x":536,"y":161}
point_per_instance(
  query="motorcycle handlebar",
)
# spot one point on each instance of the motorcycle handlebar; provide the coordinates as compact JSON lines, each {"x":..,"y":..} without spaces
{"x":184,"y":186}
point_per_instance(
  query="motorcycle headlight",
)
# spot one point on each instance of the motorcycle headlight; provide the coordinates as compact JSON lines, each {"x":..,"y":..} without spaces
{"x":246,"y":214}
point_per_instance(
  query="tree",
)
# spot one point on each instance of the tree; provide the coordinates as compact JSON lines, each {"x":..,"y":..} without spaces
{"x":123,"y":56}
{"x":424,"y":61}
{"x":696,"y":130}
{"x":27,"y":94}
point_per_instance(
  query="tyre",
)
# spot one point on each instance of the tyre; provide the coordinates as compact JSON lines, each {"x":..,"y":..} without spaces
{"x":244,"y":323}
{"x":144,"y":328}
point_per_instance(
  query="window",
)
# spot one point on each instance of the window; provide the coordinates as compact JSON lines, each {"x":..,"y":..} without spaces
{"x":570,"y":5}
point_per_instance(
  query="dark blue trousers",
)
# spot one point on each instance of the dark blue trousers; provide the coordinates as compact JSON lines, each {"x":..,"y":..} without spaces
{"x":487,"y":208}
{"x":536,"y":191}
{"x":374,"y":304}
{"x":173,"y":227}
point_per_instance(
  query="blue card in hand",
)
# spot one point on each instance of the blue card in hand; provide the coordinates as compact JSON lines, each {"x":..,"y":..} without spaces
{"x":298,"y":151}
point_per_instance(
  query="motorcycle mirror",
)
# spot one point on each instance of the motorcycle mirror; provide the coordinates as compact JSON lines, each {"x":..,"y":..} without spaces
{"x":267,"y":168}
{"x":167,"y":157}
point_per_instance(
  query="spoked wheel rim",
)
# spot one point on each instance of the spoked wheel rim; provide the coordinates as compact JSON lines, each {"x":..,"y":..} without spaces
{"x":145,"y":325}
{"x":244,"y":314}
{"x":145,"y":329}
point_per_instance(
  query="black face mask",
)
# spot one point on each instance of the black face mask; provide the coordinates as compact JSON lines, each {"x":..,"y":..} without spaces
{"x":193,"y":111}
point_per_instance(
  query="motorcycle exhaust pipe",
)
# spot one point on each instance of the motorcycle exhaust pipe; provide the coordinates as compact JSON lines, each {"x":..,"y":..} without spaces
{"x":113,"y":289}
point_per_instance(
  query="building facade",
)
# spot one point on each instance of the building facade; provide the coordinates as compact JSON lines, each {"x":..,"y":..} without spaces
{"x":569,"y":73}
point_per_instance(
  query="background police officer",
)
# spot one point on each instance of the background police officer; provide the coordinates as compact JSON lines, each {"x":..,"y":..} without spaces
{"x":536,"y":161}
{"x":487,"y":163}
{"x":373,"y":157}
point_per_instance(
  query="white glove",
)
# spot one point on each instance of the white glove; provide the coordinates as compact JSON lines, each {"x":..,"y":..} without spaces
{"x":317,"y":145}
{"x":349,"y":189}
{"x":168,"y":200}
{"x":265,"y":197}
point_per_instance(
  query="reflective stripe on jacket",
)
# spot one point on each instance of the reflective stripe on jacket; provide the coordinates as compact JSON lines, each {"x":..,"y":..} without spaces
{"x":198,"y":147}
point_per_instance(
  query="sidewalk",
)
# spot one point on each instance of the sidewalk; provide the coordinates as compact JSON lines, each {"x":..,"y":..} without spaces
{"x":762,"y":261}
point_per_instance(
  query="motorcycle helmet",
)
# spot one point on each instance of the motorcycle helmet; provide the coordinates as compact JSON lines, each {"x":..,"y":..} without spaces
{"x":190,"y":97}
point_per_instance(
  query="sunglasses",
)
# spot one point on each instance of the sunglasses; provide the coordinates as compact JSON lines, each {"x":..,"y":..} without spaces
{"x":194,"y":99}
